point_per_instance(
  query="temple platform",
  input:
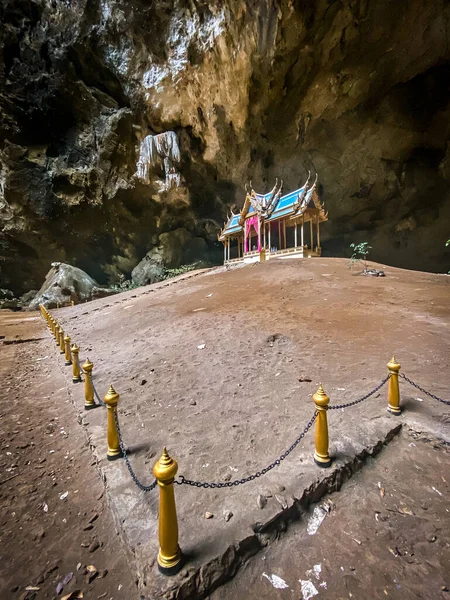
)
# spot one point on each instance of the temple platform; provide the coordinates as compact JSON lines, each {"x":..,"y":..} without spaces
{"x":265,"y":255}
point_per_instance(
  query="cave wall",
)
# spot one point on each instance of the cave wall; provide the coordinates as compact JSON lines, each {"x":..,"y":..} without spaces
{"x":357,"y":91}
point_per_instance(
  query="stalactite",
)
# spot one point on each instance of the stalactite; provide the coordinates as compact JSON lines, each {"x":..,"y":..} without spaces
{"x":163,"y":150}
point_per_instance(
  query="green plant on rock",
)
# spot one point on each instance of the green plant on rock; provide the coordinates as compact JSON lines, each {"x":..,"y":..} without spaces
{"x":180,"y":270}
{"x":360,"y":252}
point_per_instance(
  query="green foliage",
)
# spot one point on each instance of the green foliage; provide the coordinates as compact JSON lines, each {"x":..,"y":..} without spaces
{"x":180,"y":270}
{"x":124,"y":286}
{"x":360,"y":252}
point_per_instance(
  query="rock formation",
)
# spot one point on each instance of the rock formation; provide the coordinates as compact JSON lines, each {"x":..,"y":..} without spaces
{"x":65,"y":284}
{"x":123,"y":121}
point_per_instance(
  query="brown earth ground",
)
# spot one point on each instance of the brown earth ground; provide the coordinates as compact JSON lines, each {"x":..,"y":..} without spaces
{"x":44,"y":453}
{"x":229,"y":407}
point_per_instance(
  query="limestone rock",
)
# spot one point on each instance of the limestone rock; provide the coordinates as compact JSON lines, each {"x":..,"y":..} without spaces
{"x":217,"y":93}
{"x":26,"y":298}
{"x":6,"y":294}
{"x":175,"y":248}
{"x":150,"y":270}
{"x":65,"y":283}
{"x":172,"y":246}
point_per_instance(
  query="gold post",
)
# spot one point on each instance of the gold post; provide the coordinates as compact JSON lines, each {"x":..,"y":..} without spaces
{"x":61,"y":340}
{"x":111,"y":399}
{"x":321,"y":456}
{"x":75,"y":365}
{"x":169,"y":555}
{"x":73,"y":303}
{"x":88,"y":389}
{"x":393,"y":389}
{"x":67,"y":350}
{"x":57,"y":328}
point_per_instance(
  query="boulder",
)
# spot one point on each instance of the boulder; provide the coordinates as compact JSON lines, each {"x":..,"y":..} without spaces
{"x":175,"y":248}
{"x":26,"y":298}
{"x":6,"y":294}
{"x":150,"y":270}
{"x":173,"y":245}
{"x":64,"y":284}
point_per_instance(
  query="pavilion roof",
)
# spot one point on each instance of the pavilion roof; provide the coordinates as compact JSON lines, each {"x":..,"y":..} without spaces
{"x":273,"y":206}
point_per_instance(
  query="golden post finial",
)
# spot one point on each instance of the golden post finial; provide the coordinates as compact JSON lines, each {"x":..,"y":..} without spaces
{"x":321,"y":401}
{"x":170,"y":558}
{"x":111,"y":400}
{"x":67,"y":354}
{"x":88,"y":388}
{"x":393,"y":387}
{"x":61,"y":340}
{"x":76,"y":378}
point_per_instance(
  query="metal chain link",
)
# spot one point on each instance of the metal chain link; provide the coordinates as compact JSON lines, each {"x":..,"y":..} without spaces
{"x":275,"y":463}
{"x":141,"y":486}
{"x":424,"y":391}
{"x":371,"y":393}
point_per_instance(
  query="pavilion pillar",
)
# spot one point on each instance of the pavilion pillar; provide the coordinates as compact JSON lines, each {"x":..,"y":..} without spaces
{"x":302,"y":236}
{"x":225,"y":251}
{"x":270,"y":243}
{"x":295,"y":234}
{"x":279,"y":235}
{"x":318,"y":232}
{"x":311,"y":234}
{"x":284,"y":234}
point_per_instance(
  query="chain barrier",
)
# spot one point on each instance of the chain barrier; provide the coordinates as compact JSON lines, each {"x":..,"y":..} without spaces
{"x":141,"y":486}
{"x":447,"y":402}
{"x":275,"y":463}
{"x":371,"y":393}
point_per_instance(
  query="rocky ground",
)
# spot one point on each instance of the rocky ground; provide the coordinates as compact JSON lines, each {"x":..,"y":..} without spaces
{"x":222,"y":369}
{"x":386,"y":534}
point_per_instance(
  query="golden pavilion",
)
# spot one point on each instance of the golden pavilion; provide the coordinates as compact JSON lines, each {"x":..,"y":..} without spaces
{"x":273,"y":226}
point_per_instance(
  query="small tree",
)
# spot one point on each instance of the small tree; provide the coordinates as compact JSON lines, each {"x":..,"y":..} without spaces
{"x":360,"y":252}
